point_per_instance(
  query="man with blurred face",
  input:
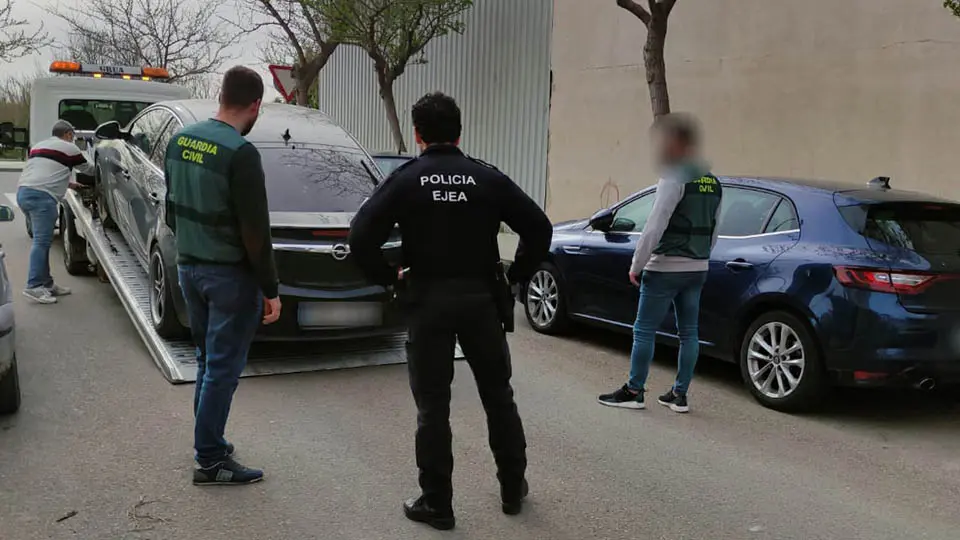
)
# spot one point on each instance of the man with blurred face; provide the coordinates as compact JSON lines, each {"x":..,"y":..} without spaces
{"x":217,"y":207}
{"x":673,"y":255}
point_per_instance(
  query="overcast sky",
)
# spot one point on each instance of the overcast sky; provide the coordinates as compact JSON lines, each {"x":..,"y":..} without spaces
{"x":36,"y":10}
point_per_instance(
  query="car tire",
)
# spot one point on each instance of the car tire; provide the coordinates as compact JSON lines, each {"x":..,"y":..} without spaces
{"x":10,"y":390}
{"x":544,"y":301}
{"x":163,"y":313}
{"x":103,"y":207}
{"x":74,"y":246}
{"x":781,"y":364}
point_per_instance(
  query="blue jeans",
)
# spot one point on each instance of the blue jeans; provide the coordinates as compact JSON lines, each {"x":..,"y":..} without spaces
{"x":225,"y":305}
{"x":658,"y":290}
{"x":41,"y":209}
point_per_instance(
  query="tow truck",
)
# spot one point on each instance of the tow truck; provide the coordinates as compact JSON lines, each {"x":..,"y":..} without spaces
{"x":89,"y":247}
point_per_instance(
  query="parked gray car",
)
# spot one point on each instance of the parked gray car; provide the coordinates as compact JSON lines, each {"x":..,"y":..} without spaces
{"x":9,"y":380}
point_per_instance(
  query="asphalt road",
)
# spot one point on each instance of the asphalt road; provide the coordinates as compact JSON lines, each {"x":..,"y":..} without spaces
{"x":102,"y":448}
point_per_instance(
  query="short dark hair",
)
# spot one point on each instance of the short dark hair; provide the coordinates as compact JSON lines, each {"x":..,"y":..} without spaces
{"x":682,"y":127}
{"x":241,"y":87}
{"x":436,"y":118}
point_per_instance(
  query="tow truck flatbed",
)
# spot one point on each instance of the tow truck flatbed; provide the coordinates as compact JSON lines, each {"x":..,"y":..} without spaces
{"x":177,"y":359}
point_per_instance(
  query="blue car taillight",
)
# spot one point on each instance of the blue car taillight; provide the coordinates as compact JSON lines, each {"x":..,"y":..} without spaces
{"x":883,"y":280}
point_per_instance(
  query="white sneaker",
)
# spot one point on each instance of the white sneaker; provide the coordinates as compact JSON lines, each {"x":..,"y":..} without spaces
{"x":40,"y":295}
{"x":57,"y":290}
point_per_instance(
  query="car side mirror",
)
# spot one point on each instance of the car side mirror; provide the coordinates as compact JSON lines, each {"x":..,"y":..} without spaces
{"x":602,"y":220}
{"x":6,"y":213}
{"x":6,"y":133}
{"x":623,"y":225}
{"x":108,"y":131}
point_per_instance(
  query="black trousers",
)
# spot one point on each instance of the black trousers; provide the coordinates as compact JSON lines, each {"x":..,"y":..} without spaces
{"x":440,"y":314}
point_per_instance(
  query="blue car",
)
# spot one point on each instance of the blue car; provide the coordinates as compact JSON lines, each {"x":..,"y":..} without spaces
{"x":811,"y":285}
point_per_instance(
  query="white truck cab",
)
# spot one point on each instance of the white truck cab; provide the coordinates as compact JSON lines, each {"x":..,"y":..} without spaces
{"x":87,"y":95}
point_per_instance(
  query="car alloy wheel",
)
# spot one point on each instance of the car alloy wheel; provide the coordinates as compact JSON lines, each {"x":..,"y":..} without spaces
{"x":543,"y":299}
{"x":158,"y":288}
{"x":775,"y":360}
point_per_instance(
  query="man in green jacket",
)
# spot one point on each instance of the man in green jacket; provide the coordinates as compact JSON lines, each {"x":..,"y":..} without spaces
{"x":217,"y":206}
{"x":673,"y":256}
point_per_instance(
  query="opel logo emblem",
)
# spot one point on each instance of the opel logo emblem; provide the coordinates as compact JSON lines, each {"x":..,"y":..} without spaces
{"x":341,"y":251}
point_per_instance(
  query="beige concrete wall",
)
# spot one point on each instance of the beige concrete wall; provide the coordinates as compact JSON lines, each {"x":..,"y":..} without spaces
{"x":836,"y":89}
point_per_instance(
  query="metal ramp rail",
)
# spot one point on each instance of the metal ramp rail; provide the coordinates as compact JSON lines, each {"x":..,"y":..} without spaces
{"x":177,"y":359}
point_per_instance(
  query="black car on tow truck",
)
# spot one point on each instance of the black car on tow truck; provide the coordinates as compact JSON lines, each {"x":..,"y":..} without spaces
{"x":317,"y":176}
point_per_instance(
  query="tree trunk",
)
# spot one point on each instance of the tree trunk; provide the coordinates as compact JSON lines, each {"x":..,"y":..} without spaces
{"x":308,"y":72}
{"x":303,"y":94}
{"x":390,"y":103}
{"x":656,"y":68}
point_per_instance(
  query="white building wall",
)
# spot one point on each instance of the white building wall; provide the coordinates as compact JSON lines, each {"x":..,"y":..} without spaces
{"x":499,"y":72}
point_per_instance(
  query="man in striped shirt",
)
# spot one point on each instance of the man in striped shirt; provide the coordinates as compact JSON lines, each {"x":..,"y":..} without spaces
{"x":43,"y":183}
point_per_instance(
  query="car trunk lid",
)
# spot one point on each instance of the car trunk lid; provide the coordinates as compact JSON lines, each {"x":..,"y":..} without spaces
{"x":311,"y":251}
{"x":920,"y":244}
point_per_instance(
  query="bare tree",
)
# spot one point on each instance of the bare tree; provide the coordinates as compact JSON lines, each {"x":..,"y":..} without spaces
{"x":179,"y":35}
{"x":393,"y":33}
{"x":15,"y":98}
{"x":88,"y":47}
{"x":298,"y":35}
{"x":16,"y":39}
{"x":203,"y":86}
{"x":654,"y":17}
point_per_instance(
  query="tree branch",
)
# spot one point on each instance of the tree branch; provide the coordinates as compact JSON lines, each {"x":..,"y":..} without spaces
{"x":635,"y":8}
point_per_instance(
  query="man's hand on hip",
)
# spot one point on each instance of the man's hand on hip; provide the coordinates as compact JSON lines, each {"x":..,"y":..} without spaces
{"x":271,"y":310}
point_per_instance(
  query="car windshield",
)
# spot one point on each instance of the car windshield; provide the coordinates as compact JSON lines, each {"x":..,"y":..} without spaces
{"x":388,"y":164}
{"x":924,"y":228}
{"x":316,"y":178}
{"x":87,"y":114}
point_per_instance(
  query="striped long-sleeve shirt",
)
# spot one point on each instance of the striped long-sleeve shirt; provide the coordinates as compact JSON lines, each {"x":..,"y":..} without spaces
{"x":50,"y":166}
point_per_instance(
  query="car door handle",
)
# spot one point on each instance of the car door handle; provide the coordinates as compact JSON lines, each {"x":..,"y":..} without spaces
{"x":571,"y":249}
{"x":739,"y":264}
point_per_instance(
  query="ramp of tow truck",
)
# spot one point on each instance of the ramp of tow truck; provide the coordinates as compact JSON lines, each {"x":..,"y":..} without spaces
{"x":177,"y":359}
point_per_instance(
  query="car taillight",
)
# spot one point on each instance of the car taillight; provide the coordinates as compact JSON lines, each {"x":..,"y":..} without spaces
{"x":883,"y":280}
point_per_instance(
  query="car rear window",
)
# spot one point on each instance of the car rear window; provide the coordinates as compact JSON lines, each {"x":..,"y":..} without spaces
{"x":316,"y":178}
{"x":87,"y":114}
{"x":924,"y":228}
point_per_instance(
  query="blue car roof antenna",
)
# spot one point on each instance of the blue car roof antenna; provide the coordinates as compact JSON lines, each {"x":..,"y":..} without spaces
{"x":880,"y":182}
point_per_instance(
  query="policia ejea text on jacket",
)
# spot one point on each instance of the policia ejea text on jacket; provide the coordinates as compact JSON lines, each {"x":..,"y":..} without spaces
{"x":449,"y":208}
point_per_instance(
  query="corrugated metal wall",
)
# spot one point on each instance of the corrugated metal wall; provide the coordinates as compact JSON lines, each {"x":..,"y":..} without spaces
{"x":499,"y":72}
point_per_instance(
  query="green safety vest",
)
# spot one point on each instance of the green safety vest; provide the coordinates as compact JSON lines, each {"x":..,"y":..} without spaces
{"x":689,"y":232}
{"x":197,"y":167}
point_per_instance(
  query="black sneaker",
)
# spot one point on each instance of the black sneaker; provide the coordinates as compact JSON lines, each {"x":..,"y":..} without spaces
{"x":419,"y":510}
{"x":623,"y":398}
{"x":676,"y":402}
{"x":226,"y":473}
{"x":513,"y":505}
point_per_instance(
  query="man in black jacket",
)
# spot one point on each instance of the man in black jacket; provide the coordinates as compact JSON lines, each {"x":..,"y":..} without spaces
{"x":449,"y":208}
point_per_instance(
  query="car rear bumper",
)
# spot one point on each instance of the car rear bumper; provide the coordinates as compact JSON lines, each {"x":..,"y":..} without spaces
{"x":890,"y":346}
{"x":288,"y":327}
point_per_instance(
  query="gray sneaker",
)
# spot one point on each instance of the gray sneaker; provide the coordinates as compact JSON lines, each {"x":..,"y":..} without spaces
{"x":57,"y":290}
{"x":40,"y":295}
